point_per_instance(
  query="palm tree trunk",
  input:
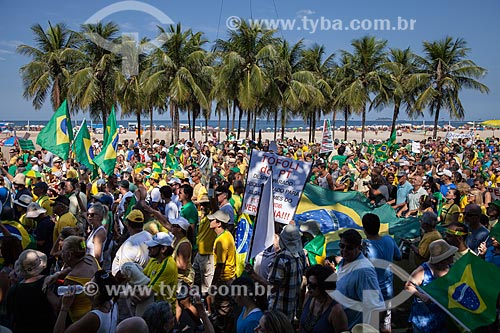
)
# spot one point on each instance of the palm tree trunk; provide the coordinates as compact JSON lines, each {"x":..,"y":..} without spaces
{"x":139,"y":125}
{"x":151,"y":126}
{"x":56,"y":94}
{"x":283,"y":123}
{"x":314,"y":127}
{"x":234,"y":116}
{"x":363,"y":122}
{"x":275,"y":124}
{"x":189,"y":122}
{"x":196,"y":112}
{"x":239,"y":122}
{"x":218,"y":125}
{"x":395,"y":117}
{"x":249,"y":121}
{"x":346,"y":120}
{"x":254,"y":126}
{"x":206,"y":125}
{"x":334,"y":120}
{"x":436,"y":119}
{"x":175,"y":122}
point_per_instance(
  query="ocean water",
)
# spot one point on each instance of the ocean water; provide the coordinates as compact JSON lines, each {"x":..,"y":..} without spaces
{"x":261,"y":124}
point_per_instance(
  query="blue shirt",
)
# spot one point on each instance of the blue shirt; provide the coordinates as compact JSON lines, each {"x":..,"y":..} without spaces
{"x":403,"y":191}
{"x":386,"y":249}
{"x":248,"y":324}
{"x":354,"y":279}
{"x":492,"y":256}
{"x":476,"y":237}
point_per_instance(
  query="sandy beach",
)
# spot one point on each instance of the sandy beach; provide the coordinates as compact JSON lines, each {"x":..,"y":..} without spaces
{"x":351,"y":135}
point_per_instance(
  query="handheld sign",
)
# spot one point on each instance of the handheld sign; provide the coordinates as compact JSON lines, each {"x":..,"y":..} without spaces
{"x":289,"y":179}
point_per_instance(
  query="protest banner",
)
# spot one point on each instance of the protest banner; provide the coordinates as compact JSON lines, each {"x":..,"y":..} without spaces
{"x":289,"y":178}
{"x":457,"y":135}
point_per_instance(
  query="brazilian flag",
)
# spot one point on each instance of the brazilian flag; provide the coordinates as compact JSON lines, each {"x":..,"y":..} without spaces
{"x":58,"y":128}
{"x":82,"y":147}
{"x":469,"y":291}
{"x":106,"y":159}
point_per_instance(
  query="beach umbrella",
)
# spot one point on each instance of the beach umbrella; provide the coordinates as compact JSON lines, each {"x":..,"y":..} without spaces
{"x":9,"y":142}
{"x":491,"y":123}
{"x":32,"y":174}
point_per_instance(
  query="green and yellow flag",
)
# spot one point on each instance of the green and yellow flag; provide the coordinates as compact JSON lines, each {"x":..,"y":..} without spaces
{"x":82,"y":147}
{"x":469,"y":291}
{"x":106,"y":159}
{"x":58,"y":127}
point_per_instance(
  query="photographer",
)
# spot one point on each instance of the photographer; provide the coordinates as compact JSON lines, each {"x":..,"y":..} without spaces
{"x":379,"y":193}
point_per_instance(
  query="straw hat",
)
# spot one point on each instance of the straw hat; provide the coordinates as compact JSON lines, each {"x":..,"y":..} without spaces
{"x":34,"y":210}
{"x":32,"y":263}
{"x":19,"y":179}
{"x":440,"y":250}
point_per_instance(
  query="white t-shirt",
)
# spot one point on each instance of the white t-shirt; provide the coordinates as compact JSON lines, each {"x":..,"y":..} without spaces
{"x":171,"y":210}
{"x":134,"y":249}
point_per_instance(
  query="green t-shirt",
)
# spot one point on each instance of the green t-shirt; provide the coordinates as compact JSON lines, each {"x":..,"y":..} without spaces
{"x":190,"y":213}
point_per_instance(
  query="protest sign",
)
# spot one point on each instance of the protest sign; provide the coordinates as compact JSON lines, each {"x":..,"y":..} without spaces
{"x":289,"y":178}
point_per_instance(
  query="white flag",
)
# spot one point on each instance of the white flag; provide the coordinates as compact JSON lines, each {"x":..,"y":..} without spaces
{"x":263,"y":236}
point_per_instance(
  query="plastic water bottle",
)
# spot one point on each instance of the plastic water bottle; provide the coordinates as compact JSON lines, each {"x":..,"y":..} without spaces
{"x":64,"y":289}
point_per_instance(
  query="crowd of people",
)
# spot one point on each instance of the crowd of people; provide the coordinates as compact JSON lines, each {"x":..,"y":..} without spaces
{"x":149,"y":247}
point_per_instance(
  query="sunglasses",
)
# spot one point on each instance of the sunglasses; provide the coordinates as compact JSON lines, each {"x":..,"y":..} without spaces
{"x":91,"y":214}
{"x":347,"y":247}
{"x":312,"y":286}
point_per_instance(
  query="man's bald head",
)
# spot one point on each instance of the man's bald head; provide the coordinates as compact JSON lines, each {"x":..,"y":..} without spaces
{"x":132,"y":325}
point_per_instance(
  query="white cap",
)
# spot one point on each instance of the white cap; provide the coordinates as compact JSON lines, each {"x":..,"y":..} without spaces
{"x":181,"y":222}
{"x":161,"y":238}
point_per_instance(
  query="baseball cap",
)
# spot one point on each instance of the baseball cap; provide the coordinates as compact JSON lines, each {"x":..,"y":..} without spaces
{"x":160,"y":239}
{"x":135,"y":216}
{"x":174,"y":181}
{"x":181,"y":222}
{"x":103,"y":198}
{"x":124,"y":183}
{"x":43,"y":185}
{"x":445,"y":172}
{"x":219,"y":216}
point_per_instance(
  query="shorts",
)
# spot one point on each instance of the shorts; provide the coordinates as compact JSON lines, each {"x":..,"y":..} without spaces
{"x":204,"y":269}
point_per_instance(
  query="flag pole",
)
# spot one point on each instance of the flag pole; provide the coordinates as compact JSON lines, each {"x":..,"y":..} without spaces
{"x":442,"y":308}
{"x":247,"y":260}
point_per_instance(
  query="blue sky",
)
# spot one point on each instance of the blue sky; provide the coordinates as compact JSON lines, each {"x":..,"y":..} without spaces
{"x":477,"y":23}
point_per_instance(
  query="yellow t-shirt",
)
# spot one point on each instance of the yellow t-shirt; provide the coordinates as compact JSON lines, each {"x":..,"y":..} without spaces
{"x":206,"y":237}
{"x":66,"y":220}
{"x":225,"y":253}
{"x":163,"y":279}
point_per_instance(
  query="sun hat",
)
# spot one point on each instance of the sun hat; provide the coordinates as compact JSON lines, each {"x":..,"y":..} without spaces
{"x":32,"y":263}
{"x":160,"y":239}
{"x":181,"y":222}
{"x":135,"y":216}
{"x":290,"y":240}
{"x":24,"y":200}
{"x":203,"y":199}
{"x":19,"y":179}
{"x":133,"y":272}
{"x":311,"y":226}
{"x":440,"y":250}
{"x":34,"y":210}
{"x":219,"y":216}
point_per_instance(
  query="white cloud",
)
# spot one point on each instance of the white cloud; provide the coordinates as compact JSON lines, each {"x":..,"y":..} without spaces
{"x":6,"y":52}
{"x":11,"y":44}
{"x":2,"y":59}
{"x":127,"y":26}
{"x":305,"y":12}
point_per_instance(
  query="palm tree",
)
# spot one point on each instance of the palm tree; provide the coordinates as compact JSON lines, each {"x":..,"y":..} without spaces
{"x":174,"y":70}
{"x":242,"y":68}
{"x":52,"y":63}
{"x":94,"y":86}
{"x":343,"y":77}
{"x":314,"y":61}
{"x":447,"y":71}
{"x":367,"y":60}
{"x":402,"y":83}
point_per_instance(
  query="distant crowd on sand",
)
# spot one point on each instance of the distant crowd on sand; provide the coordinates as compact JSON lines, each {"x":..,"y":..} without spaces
{"x":151,"y":247}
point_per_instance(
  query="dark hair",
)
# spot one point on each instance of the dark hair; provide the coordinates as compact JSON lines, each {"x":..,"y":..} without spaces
{"x":104,"y":281}
{"x":157,"y":315}
{"x":277,"y":322}
{"x":371,"y":223}
{"x":188,"y":190}
{"x":166,"y":191}
{"x":321,"y":273}
{"x":11,"y":248}
{"x":351,"y":236}
{"x":341,"y":150}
